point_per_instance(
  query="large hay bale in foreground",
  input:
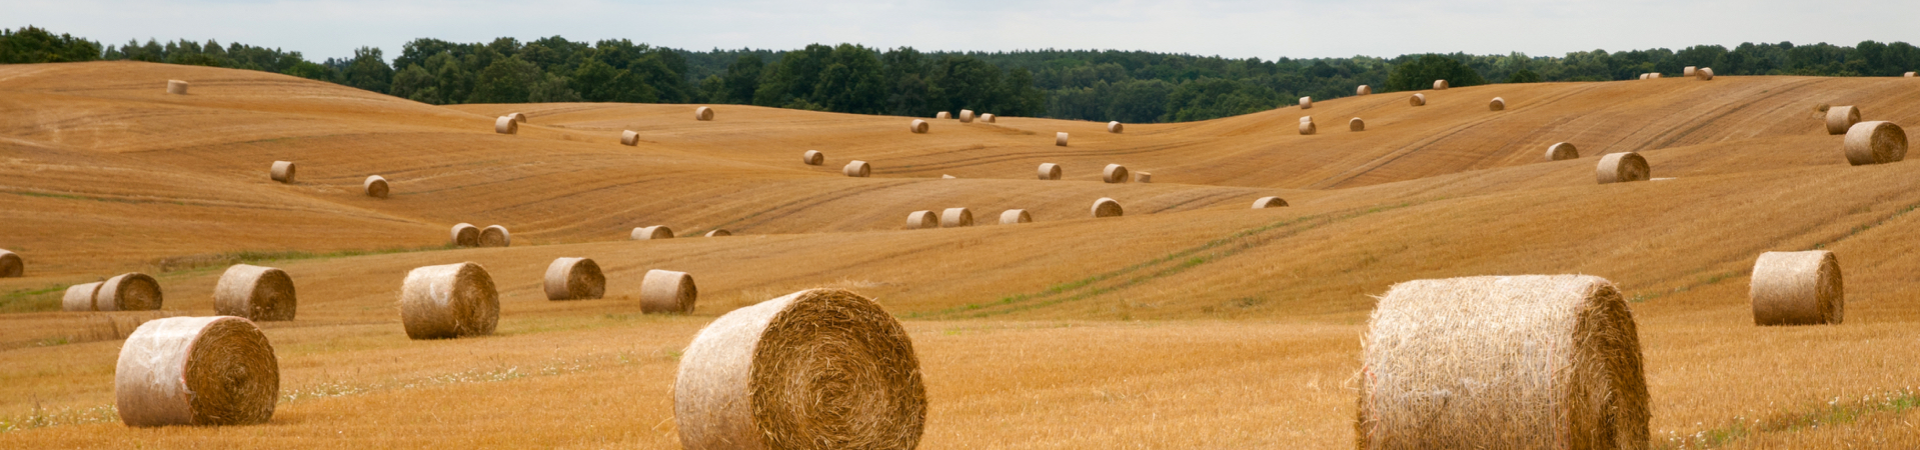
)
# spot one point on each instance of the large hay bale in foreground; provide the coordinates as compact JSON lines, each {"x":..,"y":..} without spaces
{"x":1502,"y":362}
{"x":1498,"y":104}
{"x":1797,"y":288}
{"x":495,"y":236}
{"x":200,"y":371}
{"x":1306,"y":102}
{"x":257,"y":293}
{"x":956,"y":217}
{"x":919,"y":220}
{"x":1114,"y":173}
{"x":1841,"y":118}
{"x":1355,"y":124}
{"x":813,"y":158}
{"x":629,"y":138}
{"x":1106,"y":207}
{"x":918,"y":126}
{"x":1562,"y":150}
{"x":667,"y":292}
{"x":10,"y":264}
{"x":1143,"y":177}
{"x":518,"y":117}
{"x":1013,"y":216}
{"x":1049,"y":171}
{"x":719,"y":233}
{"x":1703,"y":73}
{"x":1308,"y":128}
{"x":857,"y":168}
{"x":942,"y":115}
{"x":988,"y":118}
{"x":506,"y":125}
{"x":375,"y":186}
{"x":177,"y":87}
{"x":1116,"y":127}
{"x":1363,"y":90}
{"x":1269,"y":202}
{"x":1439,"y":85}
{"x":466,"y":235}
{"x":282,"y":171}
{"x":79,"y":297}
{"x":449,"y":301}
{"x":1876,"y":142}
{"x":1417,"y":100}
{"x":1060,"y":139}
{"x":132,"y":291}
{"x":574,"y":279}
{"x":816,"y":369}
{"x":966,"y":116}
{"x":1622,"y":167}
{"x":651,"y":233}
{"x":703,"y":113}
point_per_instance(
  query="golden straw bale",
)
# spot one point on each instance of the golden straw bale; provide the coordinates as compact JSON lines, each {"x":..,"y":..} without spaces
{"x":1060,"y":139}
{"x":201,"y":371}
{"x":947,"y":177}
{"x":506,"y":125}
{"x":1114,"y":173}
{"x":1876,"y":142}
{"x":1269,"y":202}
{"x":572,"y":278}
{"x":988,"y":118}
{"x":449,"y":301}
{"x":282,"y":171}
{"x":1498,"y":104}
{"x":1013,"y":216}
{"x":79,"y":297}
{"x":1562,"y":150}
{"x":1363,"y":90}
{"x":1703,"y":73}
{"x":1049,"y":171}
{"x":1306,"y":102}
{"x":133,"y":291}
{"x":667,"y":292}
{"x":1143,"y":177}
{"x":816,"y":369}
{"x":1912,"y":74}
{"x":719,"y":233}
{"x":1797,"y":288}
{"x":943,"y":115}
{"x":1308,"y":128}
{"x":1356,"y":124}
{"x":1622,"y":167}
{"x":703,"y":113}
{"x":1116,"y":127}
{"x":375,"y":186}
{"x":518,"y":117}
{"x":858,"y":169}
{"x":1439,"y":85}
{"x":918,"y":126}
{"x":466,"y":235}
{"x":966,"y":116}
{"x":651,"y":233}
{"x":257,"y":293}
{"x":922,"y":220}
{"x":1643,"y":76}
{"x":1106,"y":207}
{"x":10,"y":264}
{"x":813,"y":158}
{"x":1841,"y":118}
{"x":1502,"y":362}
{"x":1688,"y":72}
{"x":1417,"y":100}
{"x":177,"y":87}
{"x":495,"y":236}
{"x":956,"y":217}
{"x":629,"y":138}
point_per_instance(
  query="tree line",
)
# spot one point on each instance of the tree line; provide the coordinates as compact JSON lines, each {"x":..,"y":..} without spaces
{"x":1128,"y":86}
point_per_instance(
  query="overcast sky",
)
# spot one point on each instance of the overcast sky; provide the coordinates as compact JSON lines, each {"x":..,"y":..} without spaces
{"x":1239,"y":29}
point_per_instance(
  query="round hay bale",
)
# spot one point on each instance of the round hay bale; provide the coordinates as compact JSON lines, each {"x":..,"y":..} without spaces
{"x":922,"y":220}
{"x":1106,"y":207}
{"x":857,"y":168}
{"x":1514,"y":362}
{"x":1876,"y":142}
{"x":495,"y":236}
{"x":1689,"y":72}
{"x":79,"y":297}
{"x":466,"y":235}
{"x":947,"y":177}
{"x":1912,"y":74}
{"x":1306,"y":102}
{"x":202,"y":371}
{"x":988,"y":118}
{"x":1562,"y":150}
{"x":1049,"y":171}
{"x":1622,"y":167}
{"x":1013,"y":216}
{"x":629,"y":138}
{"x":133,"y":291}
{"x":1841,"y":118}
{"x":667,"y":292}
{"x":1643,"y":76}
{"x":1116,"y":127}
{"x":1269,"y":202}
{"x":966,"y":116}
{"x":1060,"y":139}
{"x":1306,"y":119}
{"x":1439,"y":85}
{"x":1363,"y":90}
{"x":375,"y":186}
{"x":518,"y":117}
{"x":1654,"y":75}
{"x":1356,"y":124}
{"x":703,"y":113}
{"x":449,"y":301}
{"x":942,"y":115}
{"x":575,"y":279}
{"x":1308,"y":128}
{"x":918,"y":126}
{"x":1703,"y":73}
{"x":819,"y":368}
{"x":1143,"y":177}
{"x":956,"y":217}
{"x":506,"y":125}
{"x":1114,"y":173}
{"x":10,"y":264}
{"x":1498,"y":104}
{"x":177,"y":87}
{"x":813,"y":158}
{"x":1797,"y":288}
{"x":257,"y":293}
{"x":1417,"y":100}
{"x":719,"y":233}
{"x":651,"y":233}
{"x":282,"y":171}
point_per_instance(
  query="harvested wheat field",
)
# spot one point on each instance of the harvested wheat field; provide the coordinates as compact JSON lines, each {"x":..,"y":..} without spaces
{"x":1192,"y":321}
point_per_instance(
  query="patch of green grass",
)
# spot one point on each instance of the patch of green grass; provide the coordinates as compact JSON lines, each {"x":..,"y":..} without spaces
{"x":32,"y":300}
{"x":190,"y":263}
{"x":1833,"y":413}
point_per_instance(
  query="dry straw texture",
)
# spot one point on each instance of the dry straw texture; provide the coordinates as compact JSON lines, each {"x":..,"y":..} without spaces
{"x":956,"y":217}
{"x":1106,"y":207}
{"x":1509,"y":362}
{"x":703,"y":113}
{"x":257,"y":293}
{"x":375,"y":186}
{"x":1143,"y":177}
{"x":1417,"y":100}
{"x":1912,"y":74}
{"x":918,"y":126}
{"x":1797,"y":288}
{"x":495,"y":236}
{"x":1704,"y":73}
{"x":79,"y":297}
{"x":1269,"y":202}
{"x":518,"y":117}
{"x":10,"y":264}
{"x":947,"y":177}
{"x":966,"y":116}
{"x":629,"y":138}
{"x":1116,"y":127}
{"x":816,"y":369}
{"x":574,"y":279}
{"x":177,"y":87}
{"x":1060,"y":139}
{"x":813,"y":158}
{"x":1049,"y":171}
{"x":133,"y":291}
{"x":449,"y":301}
{"x":196,"y":371}
{"x":1498,"y":104}
{"x":1562,"y":150}
{"x":857,"y":168}
{"x":1643,"y":76}
{"x":1439,"y":85}
{"x":667,"y":292}
{"x":943,"y":115}
{"x":1114,"y":173}
{"x":1363,"y":90}
{"x":1306,"y":102}
{"x":1876,"y":142}
{"x":1308,"y":128}
{"x":282,"y":171}
{"x":988,"y":118}
{"x":506,"y":125}
{"x":466,"y":235}
{"x":1013,"y":216}
{"x":652,"y":232}
{"x":1355,"y":124}
{"x":1622,"y":167}
{"x":918,"y":220}
{"x":719,"y":233}
{"x":1689,"y":71}
{"x":1841,"y":118}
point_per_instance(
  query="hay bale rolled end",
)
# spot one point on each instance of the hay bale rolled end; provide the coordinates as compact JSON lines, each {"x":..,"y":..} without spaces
{"x":1440,"y":85}
{"x":651,"y":233}
{"x":1703,"y":73}
{"x":1363,"y":90}
{"x":988,"y":118}
{"x":466,"y":235}
{"x":918,"y":126}
{"x":966,"y":116}
{"x":282,"y":171}
{"x":1307,"y":128}
{"x":572,"y":278}
{"x":629,"y":138}
{"x":495,"y":236}
{"x":11,"y":266}
{"x":132,"y":291}
{"x":1876,"y":142}
{"x":1060,"y":139}
{"x":449,"y":301}
{"x":1417,"y":100}
{"x":857,"y":169}
{"x":1107,"y":207}
{"x":1562,"y":151}
{"x":1497,"y":104}
{"x":506,"y":125}
{"x":1116,"y":127}
{"x":813,"y":158}
{"x":1841,"y":118}
{"x":375,"y":186}
{"x":1049,"y":171}
{"x":1114,"y":173}
{"x":1797,"y":288}
{"x":1013,"y":216}
{"x":942,"y":115}
{"x":257,"y":293}
{"x":1306,"y":102}
{"x":719,"y":233}
{"x":201,"y":371}
{"x":1269,"y":202}
{"x":177,"y":87}
{"x":956,"y":217}
{"x":703,"y":114}
{"x":919,"y":220}
{"x":667,"y":292}
{"x":1622,"y":167}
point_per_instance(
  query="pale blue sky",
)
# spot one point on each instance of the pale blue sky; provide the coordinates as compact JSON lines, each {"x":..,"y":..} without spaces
{"x":1267,"y":29}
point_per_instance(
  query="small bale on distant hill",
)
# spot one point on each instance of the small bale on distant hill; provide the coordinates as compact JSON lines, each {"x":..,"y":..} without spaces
{"x":1561,"y":151}
{"x":1013,"y":216}
{"x":375,"y":186}
{"x":1060,"y":139}
{"x":177,"y":87}
{"x":655,"y":232}
{"x":920,"y":220}
{"x":703,"y":113}
{"x":449,"y":301}
{"x":573,"y":278}
{"x":1356,"y":124}
{"x":132,"y":291}
{"x":820,"y":368}
{"x":1654,"y":75}
{"x":1049,"y":171}
{"x":282,"y":171}
{"x":1114,"y":173}
{"x":667,"y":292}
{"x":956,"y":217}
{"x":1308,"y":128}
{"x":1269,"y":202}
{"x":813,"y":158}
{"x":79,"y":297}
{"x":1502,"y":362}
{"x":947,"y":177}
{"x":629,"y":138}
{"x":466,"y":235}
{"x":200,"y":371}
{"x":518,"y":117}
{"x":1106,"y":207}
{"x":1841,"y":118}
{"x":966,"y":116}
{"x":1115,"y":127}
{"x":495,"y":236}
{"x":942,"y":115}
{"x":918,"y":126}
{"x":1363,"y":90}
{"x":1876,"y":142}
{"x":1143,"y":177}
{"x":1913,"y":74}
{"x":1498,"y":104}
{"x":257,"y":293}
{"x":1417,"y":100}
{"x":1689,"y":72}
{"x":1439,"y":85}
{"x":719,"y":233}
{"x":1643,"y":76}
{"x":506,"y":125}
{"x":988,"y":118}
{"x":10,"y":264}
{"x":1622,"y":167}
{"x":1703,"y":73}
{"x":1306,"y":102}
{"x":858,"y":169}
{"x":1797,"y":288}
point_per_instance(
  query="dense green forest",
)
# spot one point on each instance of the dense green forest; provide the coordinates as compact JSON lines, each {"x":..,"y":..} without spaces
{"x":1128,"y":86}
